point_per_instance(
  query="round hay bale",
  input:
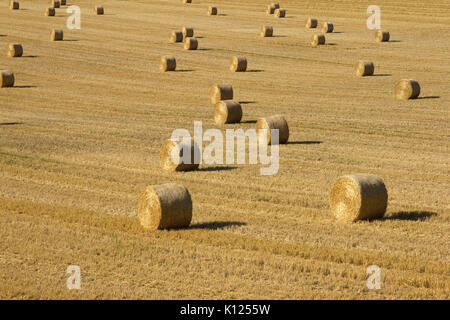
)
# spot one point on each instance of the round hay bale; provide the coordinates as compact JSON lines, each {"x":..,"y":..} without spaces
{"x":266,"y":31}
{"x":63,"y":2}
{"x":264,"y":125}
{"x":327,"y":27}
{"x":220,"y":92}
{"x":176,"y":36}
{"x":57,"y":35}
{"x":56,"y":4}
{"x":364,"y":68}
{"x":382,"y":36}
{"x":167,"y":64}
{"x":317,"y":39}
{"x":238,"y":64}
{"x":15,"y":50}
{"x":358,"y":197}
{"x":166,"y":206}
{"x":14,"y":5}
{"x":227,"y":111}
{"x":276,"y":5}
{"x":7,"y":79}
{"x":407,"y":89}
{"x":280,"y":13}
{"x":271,"y":9}
{"x":50,"y":12}
{"x":171,"y":155}
{"x":212,"y":11}
{"x":188,"y":32}
{"x":312,"y":23}
{"x":98,"y":10}
{"x":187,"y":1}
{"x":190,"y":44}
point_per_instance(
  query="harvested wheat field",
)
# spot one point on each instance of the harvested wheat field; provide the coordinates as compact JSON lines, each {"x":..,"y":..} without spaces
{"x":82,"y":128}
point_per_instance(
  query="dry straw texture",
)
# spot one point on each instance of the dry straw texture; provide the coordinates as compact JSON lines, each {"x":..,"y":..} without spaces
{"x":56,"y":4}
{"x":265,"y":125}
{"x":212,"y":11}
{"x":171,"y":155}
{"x":312,"y":23}
{"x":167,"y":64}
{"x":271,"y":9}
{"x":14,"y":5}
{"x":99,"y":10}
{"x":382,"y":36}
{"x":165,"y":206}
{"x":266,"y":31}
{"x":317,"y":39}
{"x":190,"y":44}
{"x":364,"y":68}
{"x":358,"y":197}
{"x":280,"y":13}
{"x":220,"y":92}
{"x":7,"y":79}
{"x":176,"y":36}
{"x":238,"y":64}
{"x":327,"y":27}
{"x":227,"y":111}
{"x":50,"y":12}
{"x":15,"y":50}
{"x":407,"y":89}
{"x":57,"y":35}
{"x":187,"y":32}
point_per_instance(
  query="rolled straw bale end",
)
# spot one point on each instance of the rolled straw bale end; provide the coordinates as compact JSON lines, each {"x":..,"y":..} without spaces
{"x":280,"y":13}
{"x":7,"y":79}
{"x":188,"y":32}
{"x":382,"y":36}
{"x":56,"y":4}
{"x":63,"y":2}
{"x":57,"y":35}
{"x":187,"y":1}
{"x":407,"y":89}
{"x":312,"y":23}
{"x":227,"y":111}
{"x":317,"y":39}
{"x":50,"y":12}
{"x":99,"y":10}
{"x":276,"y":5}
{"x":176,"y":36}
{"x":238,"y":64}
{"x":364,"y":68}
{"x":190,"y":44}
{"x":358,"y":197}
{"x":220,"y":92}
{"x":14,"y":5}
{"x":167,"y":64}
{"x":265,"y":125}
{"x":212,"y":11}
{"x":167,"y":206}
{"x":271,"y":9}
{"x":15,"y":50}
{"x":327,"y":27}
{"x":266,"y":31}
{"x":179,"y":156}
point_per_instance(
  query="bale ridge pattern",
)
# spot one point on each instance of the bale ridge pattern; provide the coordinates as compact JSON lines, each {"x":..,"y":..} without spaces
{"x":407,"y":89}
{"x":364,"y":68}
{"x":221,"y":92}
{"x":227,"y":111}
{"x":190,"y":44}
{"x":238,"y":64}
{"x":265,"y":125}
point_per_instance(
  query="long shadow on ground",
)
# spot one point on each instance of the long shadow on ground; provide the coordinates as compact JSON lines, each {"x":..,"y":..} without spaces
{"x":215,"y":225}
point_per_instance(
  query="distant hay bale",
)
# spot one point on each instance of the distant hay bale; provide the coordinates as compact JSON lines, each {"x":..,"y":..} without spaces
{"x":265,"y":125}
{"x":190,"y":44}
{"x":171,"y":155}
{"x":187,"y":1}
{"x":407,"y":89}
{"x":14,"y":5}
{"x":166,"y":206}
{"x":276,"y":5}
{"x":63,"y":2}
{"x":382,"y":36}
{"x":317,"y":39}
{"x":212,"y":11}
{"x":220,"y":92}
{"x":358,"y":197}
{"x":7,"y":79}
{"x":312,"y":23}
{"x":327,"y":27}
{"x":280,"y":13}
{"x":188,"y":32}
{"x":271,"y":9}
{"x":227,"y":111}
{"x":56,"y":4}
{"x":176,"y":36}
{"x":167,"y":64}
{"x":364,"y":68}
{"x":15,"y":50}
{"x":98,"y":10}
{"x":266,"y":31}
{"x":57,"y":35}
{"x":50,"y":12}
{"x":238,"y":64}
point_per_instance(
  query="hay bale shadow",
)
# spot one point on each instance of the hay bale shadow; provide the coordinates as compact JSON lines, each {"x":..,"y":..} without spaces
{"x":304,"y":142}
{"x":216,"y":225}
{"x":428,"y":97}
{"x":249,"y":121}
{"x":217,"y":168}
{"x":410,"y":216}
{"x":10,"y":123}
{"x":247,"y":102}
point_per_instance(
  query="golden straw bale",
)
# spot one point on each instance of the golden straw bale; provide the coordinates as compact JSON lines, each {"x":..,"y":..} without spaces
{"x":382,"y":36}
{"x":176,"y":36}
{"x":227,"y":111}
{"x":364,"y":68}
{"x":187,"y":1}
{"x":57,"y":35}
{"x":358,"y":197}
{"x":327,"y":27}
{"x":50,"y":12}
{"x":280,"y":13}
{"x":171,"y":155}
{"x":166,"y":206}
{"x":266,"y":31}
{"x":238,"y":64}
{"x":312,"y":23}
{"x":276,"y":5}
{"x":15,"y":50}
{"x":190,"y":44}
{"x":270,"y":9}
{"x":63,"y":2}
{"x":220,"y":92}
{"x":7,"y":79}
{"x":99,"y":10}
{"x":56,"y":4}
{"x":212,"y":11}
{"x":188,"y":32}
{"x":317,"y":39}
{"x":407,"y":89}
{"x":167,"y":64}
{"x":265,"y":125}
{"x":14,"y":5}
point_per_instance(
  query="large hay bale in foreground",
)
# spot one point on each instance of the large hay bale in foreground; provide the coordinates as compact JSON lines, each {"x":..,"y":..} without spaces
{"x":364,"y":68}
{"x":7,"y":79}
{"x":280,"y":13}
{"x":220,"y":92}
{"x":271,"y":9}
{"x":56,"y":4}
{"x":407,"y":89}
{"x":190,"y":44}
{"x":327,"y":27}
{"x":227,"y":111}
{"x":57,"y":35}
{"x":50,"y":12}
{"x":188,"y":32}
{"x":171,"y":155}
{"x":266,"y":31}
{"x":166,"y":206}
{"x":382,"y":36}
{"x":99,"y":10}
{"x":212,"y":11}
{"x":238,"y":64}
{"x":358,"y":197}
{"x":167,"y":64}
{"x":312,"y":23}
{"x":265,"y":125}
{"x":14,"y":5}
{"x":15,"y":50}
{"x":317,"y":39}
{"x":176,"y":36}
